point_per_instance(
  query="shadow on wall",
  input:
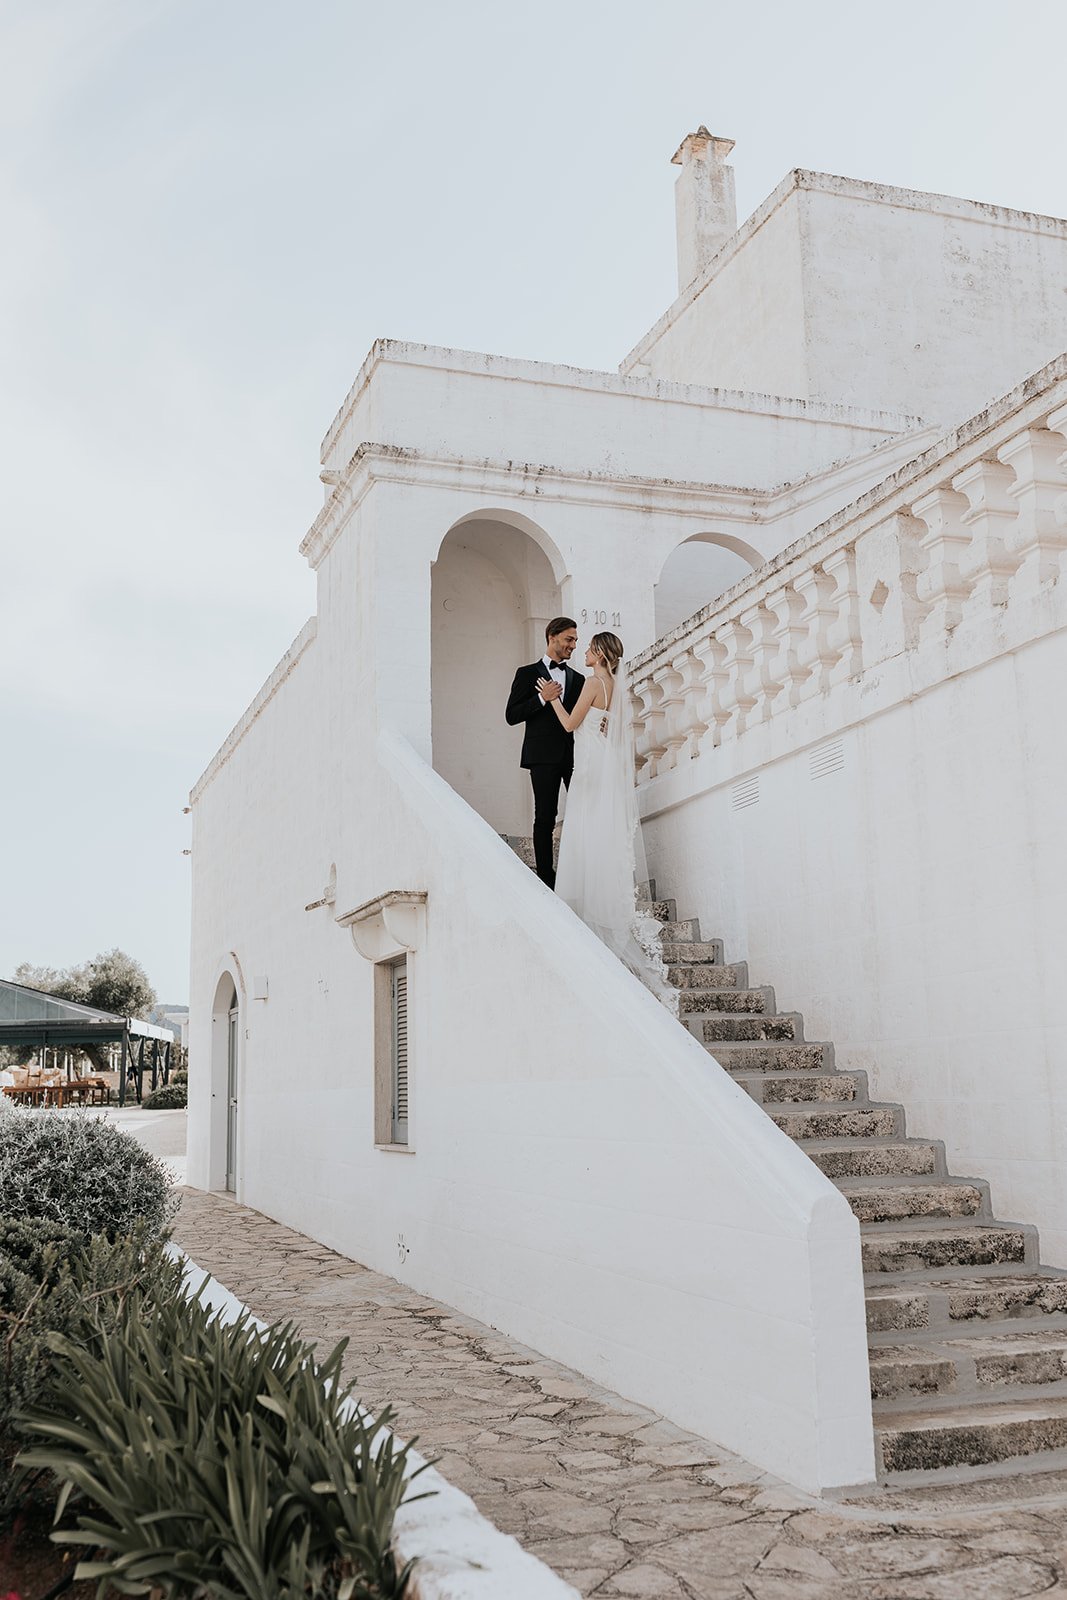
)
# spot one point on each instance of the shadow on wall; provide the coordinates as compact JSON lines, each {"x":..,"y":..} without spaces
{"x":693,"y":575}
{"x":492,"y":591}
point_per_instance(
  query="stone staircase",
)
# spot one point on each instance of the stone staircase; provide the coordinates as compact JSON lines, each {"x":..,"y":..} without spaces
{"x":967,"y":1331}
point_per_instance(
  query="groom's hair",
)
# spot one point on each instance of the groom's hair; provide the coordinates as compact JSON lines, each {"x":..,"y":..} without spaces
{"x":559,"y":625}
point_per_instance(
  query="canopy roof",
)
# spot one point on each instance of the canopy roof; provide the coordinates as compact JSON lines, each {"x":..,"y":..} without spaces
{"x":30,"y":1016}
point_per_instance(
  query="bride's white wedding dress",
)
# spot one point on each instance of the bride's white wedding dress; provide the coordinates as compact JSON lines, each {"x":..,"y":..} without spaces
{"x":600,"y":843}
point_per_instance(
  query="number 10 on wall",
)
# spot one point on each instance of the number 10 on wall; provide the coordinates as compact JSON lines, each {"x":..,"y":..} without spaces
{"x":601,"y":619}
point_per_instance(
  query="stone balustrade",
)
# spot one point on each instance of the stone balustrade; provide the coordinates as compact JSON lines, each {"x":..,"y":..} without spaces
{"x":956,"y":557}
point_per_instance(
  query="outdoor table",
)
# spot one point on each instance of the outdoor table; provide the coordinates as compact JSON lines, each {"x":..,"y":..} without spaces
{"x":32,"y":1092}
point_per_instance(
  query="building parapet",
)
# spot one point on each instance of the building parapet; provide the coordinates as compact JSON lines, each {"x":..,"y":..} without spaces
{"x":550,"y":374}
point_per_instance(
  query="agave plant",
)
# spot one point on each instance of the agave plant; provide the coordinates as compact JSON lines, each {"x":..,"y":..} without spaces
{"x":212,"y":1459}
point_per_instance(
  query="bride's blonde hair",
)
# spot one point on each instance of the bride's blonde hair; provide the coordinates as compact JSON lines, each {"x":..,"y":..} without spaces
{"x":608,"y":646}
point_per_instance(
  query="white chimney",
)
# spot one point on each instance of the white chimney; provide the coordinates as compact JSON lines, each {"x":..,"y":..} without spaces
{"x":705,"y":204}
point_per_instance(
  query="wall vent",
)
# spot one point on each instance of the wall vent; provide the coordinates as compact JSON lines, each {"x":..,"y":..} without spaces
{"x":826,"y":759}
{"x":746,"y":793}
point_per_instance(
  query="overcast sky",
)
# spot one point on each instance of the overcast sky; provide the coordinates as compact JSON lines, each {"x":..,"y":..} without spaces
{"x":212,"y":207}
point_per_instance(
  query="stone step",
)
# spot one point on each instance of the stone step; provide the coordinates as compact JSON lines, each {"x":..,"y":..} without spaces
{"x":958,"y":1303}
{"x":747,"y":1029}
{"x":842,"y":1122}
{"x":975,"y":1369}
{"x":689,"y":951}
{"x":665,"y":911}
{"x":898,"y":1202}
{"x":708,"y":997}
{"x":844,"y":1158}
{"x":1015,"y":1358}
{"x":740,"y":1056}
{"x":972,"y":1435}
{"x":967,"y":1332}
{"x":899,"y":1372}
{"x":928,"y":1247}
{"x":696,"y":980}
{"x":788,"y":1088}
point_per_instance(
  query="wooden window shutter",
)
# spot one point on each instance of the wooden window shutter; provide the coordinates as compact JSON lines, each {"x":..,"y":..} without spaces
{"x":400,"y":1052}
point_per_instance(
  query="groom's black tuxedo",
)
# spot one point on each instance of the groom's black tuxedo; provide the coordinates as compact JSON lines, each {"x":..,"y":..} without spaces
{"x":547,"y":751}
{"x":545,"y":739}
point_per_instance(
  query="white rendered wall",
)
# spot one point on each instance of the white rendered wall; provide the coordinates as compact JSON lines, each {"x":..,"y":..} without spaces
{"x":746,"y":328}
{"x":583,"y":1174}
{"x":913,"y":906}
{"x":936,"y":308}
{"x":853,"y":770}
{"x":860,"y":294}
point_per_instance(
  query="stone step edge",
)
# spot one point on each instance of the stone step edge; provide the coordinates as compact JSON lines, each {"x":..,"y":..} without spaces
{"x":942,"y":1421}
{"x":969,"y":1327}
{"x":969,"y":1393}
{"x":1031,"y":1466}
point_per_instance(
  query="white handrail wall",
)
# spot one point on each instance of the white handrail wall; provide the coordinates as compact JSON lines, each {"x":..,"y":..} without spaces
{"x":590,"y":1180}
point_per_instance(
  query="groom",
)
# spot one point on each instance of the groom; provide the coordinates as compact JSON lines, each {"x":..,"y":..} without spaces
{"x":547,"y":748}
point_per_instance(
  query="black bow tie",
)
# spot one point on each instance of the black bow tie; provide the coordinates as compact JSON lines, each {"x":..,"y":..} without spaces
{"x":559,"y":666}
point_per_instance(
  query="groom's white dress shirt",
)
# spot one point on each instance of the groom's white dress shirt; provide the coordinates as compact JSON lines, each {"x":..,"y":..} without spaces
{"x":553,"y":669}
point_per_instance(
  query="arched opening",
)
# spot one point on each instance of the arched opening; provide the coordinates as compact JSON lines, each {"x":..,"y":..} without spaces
{"x":225,"y":1082}
{"x":697,"y":572}
{"x":493,"y":588}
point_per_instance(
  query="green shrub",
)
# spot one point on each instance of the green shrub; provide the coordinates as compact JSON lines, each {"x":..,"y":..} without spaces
{"x":252,"y":1482}
{"x":79,"y":1169}
{"x":53,"y":1281}
{"x":179,"y":1075}
{"x":168,"y":1097}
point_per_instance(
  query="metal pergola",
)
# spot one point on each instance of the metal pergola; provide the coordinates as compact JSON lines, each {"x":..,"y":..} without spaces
{"x":32,"y":1017}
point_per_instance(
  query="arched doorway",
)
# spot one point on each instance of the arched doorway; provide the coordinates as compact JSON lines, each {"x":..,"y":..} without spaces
{"x":697,"y":572}
{"x":493,"y":587}
{"x":225,"y":1082}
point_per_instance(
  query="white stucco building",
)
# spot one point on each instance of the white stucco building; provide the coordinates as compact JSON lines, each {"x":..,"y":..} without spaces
{"x":825,"y":497}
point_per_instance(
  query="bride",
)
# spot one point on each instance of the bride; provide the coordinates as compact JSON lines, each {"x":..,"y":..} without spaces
{"x":600,"y":847}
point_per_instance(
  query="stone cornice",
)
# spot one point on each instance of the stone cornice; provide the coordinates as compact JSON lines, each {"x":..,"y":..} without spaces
{"x":524,"y":479}
{"x":705,"y":502}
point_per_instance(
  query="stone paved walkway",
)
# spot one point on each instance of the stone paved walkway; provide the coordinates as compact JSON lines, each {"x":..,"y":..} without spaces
{"x":615,"y":1499}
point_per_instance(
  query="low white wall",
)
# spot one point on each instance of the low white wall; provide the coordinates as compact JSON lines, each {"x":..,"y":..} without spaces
{"x":589,"y":1180}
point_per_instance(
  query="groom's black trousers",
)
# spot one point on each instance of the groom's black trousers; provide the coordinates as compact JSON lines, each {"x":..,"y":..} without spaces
{"x":546,"y":778}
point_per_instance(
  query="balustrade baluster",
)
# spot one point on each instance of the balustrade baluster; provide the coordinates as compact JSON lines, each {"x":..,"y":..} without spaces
{"x":946,"y":538}
{"x":986,"y":564}
{"x":691,"y":702}
{"x":1039,"y":537}
{"x":814,"y":653}
{"x":737,"y":701}
{"x":787,"y":607}
{"x":762,"y":683}
{"x":713,"y":679}
{"x":669,"y":681}
{"x":640,"y":695}
{"x":843,"y":633}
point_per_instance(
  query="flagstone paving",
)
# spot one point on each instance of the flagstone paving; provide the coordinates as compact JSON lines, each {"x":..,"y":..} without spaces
{"x":615,"y":1499}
